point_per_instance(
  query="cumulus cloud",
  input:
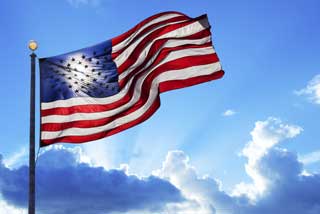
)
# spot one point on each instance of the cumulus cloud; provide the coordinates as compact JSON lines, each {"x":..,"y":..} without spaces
{"x":17,"y":158}
{"x":66,"y":184}
{"x":312,"y":90}
{"x":8,"y":209}
{"x":204,"y":193}
{"x":265,"y":135}
{"x":66,"y":179}
{"x":285,"y":188}
{"x":229,"y":113}
{"x":288,"y":190}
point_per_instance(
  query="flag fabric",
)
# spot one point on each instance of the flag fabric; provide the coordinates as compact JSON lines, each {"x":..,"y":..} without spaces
{"x":101,"y":90}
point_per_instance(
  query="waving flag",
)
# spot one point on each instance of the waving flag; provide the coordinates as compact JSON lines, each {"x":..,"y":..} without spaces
{"x":104,"y":89}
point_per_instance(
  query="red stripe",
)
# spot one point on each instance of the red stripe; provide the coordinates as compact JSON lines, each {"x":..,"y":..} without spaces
{"x":167,"y":51}
{"x":151,"y":37}
{"x":176,"y":64}
{"x":127,"y":34}
{"x":86,"y":138}
{"x":100,"y":108}
{"x":156,"y":46}
{"x":177,"y":84}
{"x":145,"y":31}
{"x":165,"y":86}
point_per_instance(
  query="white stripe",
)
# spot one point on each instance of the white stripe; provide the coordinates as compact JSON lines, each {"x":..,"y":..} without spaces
{"x":145,"y":35}
{"x":103,"y":101}
{"x":169,"y":44}
{"x":136,"y":94}
{"x":132,"y":36}
{"x":180,"y":32}
{"x":170,"y":75}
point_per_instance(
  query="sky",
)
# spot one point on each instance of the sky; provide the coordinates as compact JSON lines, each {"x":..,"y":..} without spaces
{"x":245,"y":144}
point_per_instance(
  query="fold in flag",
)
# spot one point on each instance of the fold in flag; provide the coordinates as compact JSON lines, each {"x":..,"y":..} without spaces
{"x":101,"y":90}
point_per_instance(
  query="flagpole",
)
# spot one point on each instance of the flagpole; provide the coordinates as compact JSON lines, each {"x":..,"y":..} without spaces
{"x":31,"y":208}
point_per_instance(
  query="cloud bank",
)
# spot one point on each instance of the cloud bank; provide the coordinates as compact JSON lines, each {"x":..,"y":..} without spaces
{"x":68,"y":183}
{"x":278,"y":184}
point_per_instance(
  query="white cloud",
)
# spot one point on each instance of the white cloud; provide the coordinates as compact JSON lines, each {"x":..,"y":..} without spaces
{"x":9,"y":209}
{"x":17,"y":158}
{"x":101,"y":153}
{"x":229,"y":113}
{"x":279,"y":183}
{"x":310,"y":158}
{"x":55,"y":153}
{"x":204,"y":194}
{"x":312,"y":90}
{"x":265,"y":135}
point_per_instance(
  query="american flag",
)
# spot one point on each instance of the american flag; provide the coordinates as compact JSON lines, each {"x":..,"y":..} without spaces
{"x":101,"y":90}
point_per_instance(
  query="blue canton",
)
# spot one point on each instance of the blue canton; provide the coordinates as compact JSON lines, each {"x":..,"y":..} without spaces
{"x":89,"y":72}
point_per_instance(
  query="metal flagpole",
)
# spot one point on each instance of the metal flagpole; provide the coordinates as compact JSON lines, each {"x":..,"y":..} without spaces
{"x":31,"y":208}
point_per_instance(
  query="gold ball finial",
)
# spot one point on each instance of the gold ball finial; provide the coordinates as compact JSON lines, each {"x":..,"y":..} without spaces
{"x":33,"y":45}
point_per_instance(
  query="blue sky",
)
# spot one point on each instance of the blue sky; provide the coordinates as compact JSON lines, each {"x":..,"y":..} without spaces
{"x":268,"y":101}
